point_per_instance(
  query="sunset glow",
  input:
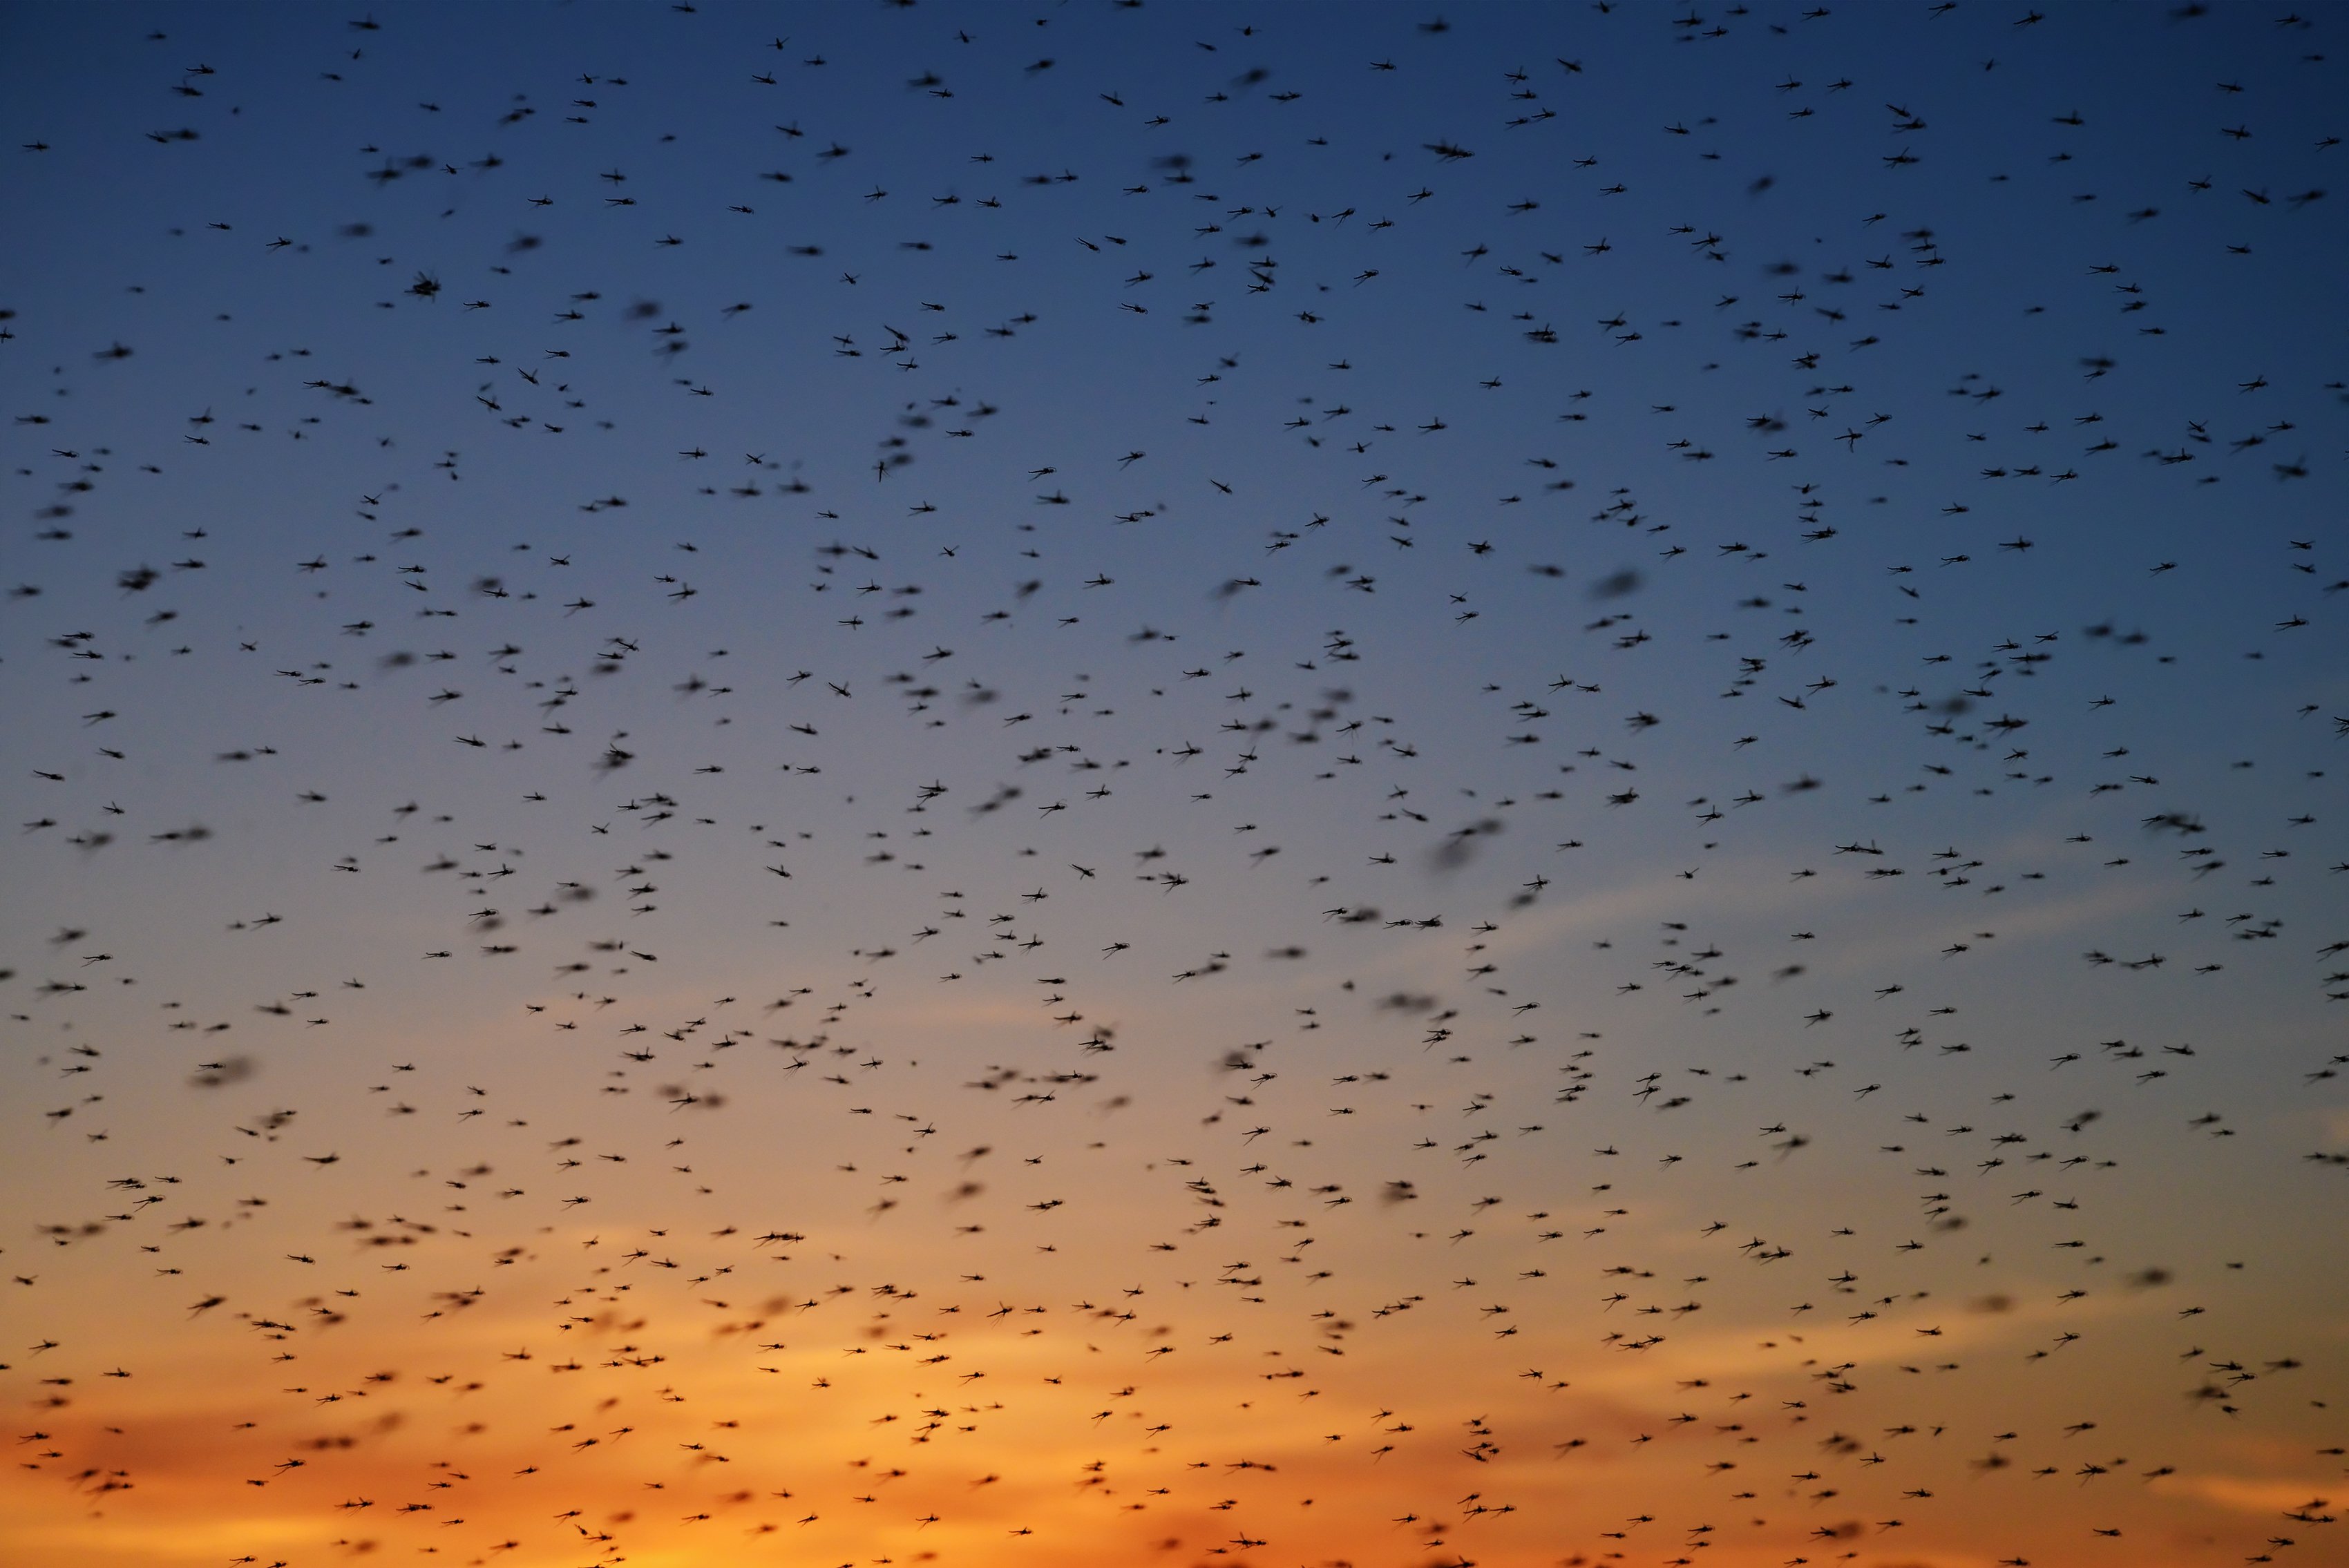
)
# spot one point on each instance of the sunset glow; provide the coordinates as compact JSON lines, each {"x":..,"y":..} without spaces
{"x":1177,"y":783}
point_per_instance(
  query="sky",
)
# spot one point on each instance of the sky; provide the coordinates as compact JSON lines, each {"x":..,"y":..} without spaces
{"x":1304,"y":785}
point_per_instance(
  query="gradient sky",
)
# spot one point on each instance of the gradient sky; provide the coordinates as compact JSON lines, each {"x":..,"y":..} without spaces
{"x":1173,"y":783}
